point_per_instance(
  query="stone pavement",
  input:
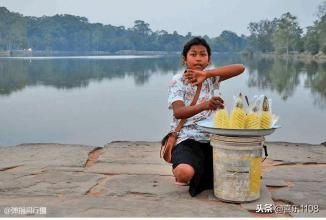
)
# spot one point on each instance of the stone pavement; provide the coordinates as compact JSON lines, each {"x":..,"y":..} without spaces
{"x":128,"y":179}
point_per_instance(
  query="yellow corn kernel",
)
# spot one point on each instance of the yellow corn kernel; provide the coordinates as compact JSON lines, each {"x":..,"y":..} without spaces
{"x":252,"y":121}
{"x":265,"y":120}
{"x":221,"y":119}
{"x":237,"y":118}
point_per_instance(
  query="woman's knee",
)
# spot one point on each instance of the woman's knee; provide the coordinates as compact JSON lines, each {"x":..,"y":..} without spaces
{"x":184,"y":172}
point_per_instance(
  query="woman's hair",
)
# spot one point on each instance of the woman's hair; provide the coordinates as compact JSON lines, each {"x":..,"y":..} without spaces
{"x":196,"y":41}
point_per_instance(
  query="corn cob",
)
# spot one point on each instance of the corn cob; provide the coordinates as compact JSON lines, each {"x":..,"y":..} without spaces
{"x":238,"y":114}
{"x":221,"y":119}
{"x":252,"y":120}
{"x":266,"y":116}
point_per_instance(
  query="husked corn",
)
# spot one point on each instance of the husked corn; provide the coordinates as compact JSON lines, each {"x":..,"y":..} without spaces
{"x":265,"y":120}
{"x":266,"y":116}
{"x":252,"y":121}
{"x":221,"y":119}
{"x":237,"y":118}
{"x":238,"y":114}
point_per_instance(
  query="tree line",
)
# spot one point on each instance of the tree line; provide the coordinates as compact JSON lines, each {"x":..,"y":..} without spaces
{"x":74,"y":33}
{"x":284,"y":35}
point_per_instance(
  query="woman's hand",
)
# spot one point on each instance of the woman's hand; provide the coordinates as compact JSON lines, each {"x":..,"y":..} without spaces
{"x":195,"y":77}
{"x":214,"y":103}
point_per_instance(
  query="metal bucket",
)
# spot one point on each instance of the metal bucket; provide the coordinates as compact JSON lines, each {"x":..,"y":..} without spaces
{"x":237,"y":167}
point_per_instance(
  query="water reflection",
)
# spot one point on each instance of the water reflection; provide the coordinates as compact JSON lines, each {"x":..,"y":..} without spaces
{"x":126,"y":99}
{"x":278,"y":75}
{"x":282,"y":76}
{"x":15,"y":74}
{"x":316,"y":81}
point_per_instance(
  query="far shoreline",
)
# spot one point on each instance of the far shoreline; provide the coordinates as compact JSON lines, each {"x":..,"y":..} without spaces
{"x":29,"y":53}
{"x":295,"y":56}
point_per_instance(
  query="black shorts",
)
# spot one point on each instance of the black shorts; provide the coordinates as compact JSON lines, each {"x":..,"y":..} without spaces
{"x":200,"y":157}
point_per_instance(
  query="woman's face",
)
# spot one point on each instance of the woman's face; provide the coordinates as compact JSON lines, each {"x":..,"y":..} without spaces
{"x":197,"y":58}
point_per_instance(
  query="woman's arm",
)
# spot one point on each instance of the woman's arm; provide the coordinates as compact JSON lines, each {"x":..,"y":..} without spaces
{"x":224,"y":72}
{"x":181,"y":111}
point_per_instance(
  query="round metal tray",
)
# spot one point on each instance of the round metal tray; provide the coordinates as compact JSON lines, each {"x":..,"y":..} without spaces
{"x":208,"y":126}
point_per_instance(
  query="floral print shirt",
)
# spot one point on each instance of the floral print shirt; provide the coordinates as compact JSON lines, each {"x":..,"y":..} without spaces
{"x":179,"y":89}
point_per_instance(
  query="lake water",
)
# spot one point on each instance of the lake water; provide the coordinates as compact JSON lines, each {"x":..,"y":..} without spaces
{"x":96,"y":100}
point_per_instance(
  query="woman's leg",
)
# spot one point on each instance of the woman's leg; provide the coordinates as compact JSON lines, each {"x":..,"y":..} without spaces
{"x":186,"y":158}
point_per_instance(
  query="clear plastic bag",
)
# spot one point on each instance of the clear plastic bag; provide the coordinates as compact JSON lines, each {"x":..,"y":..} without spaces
{"x":253,"y":115}
{"x":266,"y":113}
{"x":238,"y":113}
{"x":221,"y":116}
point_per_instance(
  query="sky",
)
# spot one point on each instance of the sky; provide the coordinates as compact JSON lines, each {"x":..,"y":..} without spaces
{"x":200,"y":17}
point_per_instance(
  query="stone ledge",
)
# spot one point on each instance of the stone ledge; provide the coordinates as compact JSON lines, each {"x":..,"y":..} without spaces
{"x":128,"y":179}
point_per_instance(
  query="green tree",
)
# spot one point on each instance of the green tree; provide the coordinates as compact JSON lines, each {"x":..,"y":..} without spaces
{"x":260,"y":38}
{"x":141,"y":27}
{"x":321,"y":27}
{"x":228,"y":41}
{"x":287,"y":34}
{"x":321,"y":10}
{"x":74,"y":33}
{"x":13,"y":34}
{"x":311,"y":43}
{"x":315,"y":37}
